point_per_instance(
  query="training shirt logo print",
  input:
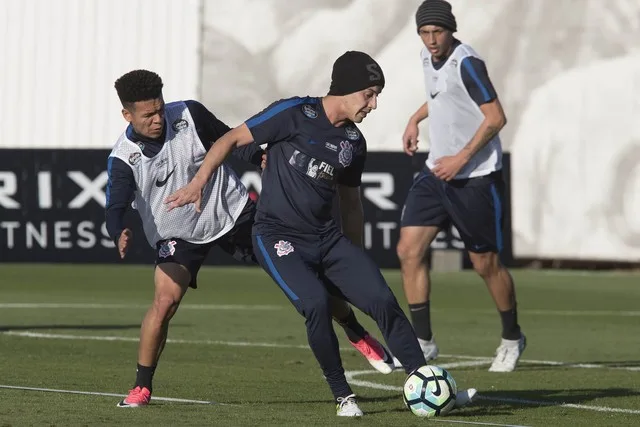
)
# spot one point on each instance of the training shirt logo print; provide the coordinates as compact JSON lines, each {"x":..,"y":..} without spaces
{"x":283,"y":248}
{"x":346,"y":153}
{"x":179,"y":125}
{"x":352,"y":133}
{"x":167,"y":249}
{"x":309,"y":111}
{"x":134,"y":158}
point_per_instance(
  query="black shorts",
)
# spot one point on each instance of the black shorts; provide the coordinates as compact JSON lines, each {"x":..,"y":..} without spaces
{"x":237,"y":242}
{"x":474,"y":206}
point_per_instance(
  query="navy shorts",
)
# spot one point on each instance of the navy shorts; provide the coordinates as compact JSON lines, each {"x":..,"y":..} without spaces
{"x":474,"y":206}
{"x":237,"y":242}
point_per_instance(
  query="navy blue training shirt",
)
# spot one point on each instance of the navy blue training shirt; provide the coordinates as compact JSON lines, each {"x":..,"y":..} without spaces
{"x":121,"y":184}
{"x":306,"y":157}
{"x":474,"y":76}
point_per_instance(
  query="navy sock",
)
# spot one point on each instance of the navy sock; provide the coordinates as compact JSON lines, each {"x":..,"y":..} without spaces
{"x":144,"y":376}
{"x":421,"y":320}
{"x":510,"y":327}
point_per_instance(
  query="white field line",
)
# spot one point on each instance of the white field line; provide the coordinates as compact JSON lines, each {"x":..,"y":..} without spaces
{"x":479,"y":359}
{"x":95,"y":306}
{"x":351,"y":375}
{"x":259,"y":307}
{"x":474,"y":361}
{"x":29,"y":334}
{"x":475,"y":423}
{"x":95,"y":393}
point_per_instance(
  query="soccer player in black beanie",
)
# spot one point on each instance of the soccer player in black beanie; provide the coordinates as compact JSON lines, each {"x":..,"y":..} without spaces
{"x":461,"y":182}
{"x":315,"y":152}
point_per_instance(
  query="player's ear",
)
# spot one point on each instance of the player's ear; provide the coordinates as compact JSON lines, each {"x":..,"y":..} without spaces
{"x":127,"y":115}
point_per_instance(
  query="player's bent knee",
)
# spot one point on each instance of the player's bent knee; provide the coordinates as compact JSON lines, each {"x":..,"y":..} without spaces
{"x":408,"y":253}
{"x":171,"y":283}
{"x":485,"y":264}
{"x":166,"y":305}
{"x":314,"y":308}
{"x":382,"y":302}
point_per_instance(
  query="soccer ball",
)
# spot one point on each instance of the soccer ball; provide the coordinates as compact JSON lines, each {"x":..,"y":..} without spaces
{"x":430,"y":391}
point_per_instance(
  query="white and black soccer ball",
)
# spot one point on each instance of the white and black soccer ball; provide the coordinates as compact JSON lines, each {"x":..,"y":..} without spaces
{"x":430,"y":391}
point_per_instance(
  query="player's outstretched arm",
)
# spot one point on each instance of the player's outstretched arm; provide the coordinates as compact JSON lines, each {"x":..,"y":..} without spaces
{"x":192,"y":192}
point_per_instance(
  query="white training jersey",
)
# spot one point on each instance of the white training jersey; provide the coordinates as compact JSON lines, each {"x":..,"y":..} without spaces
{"x":223,"y":199}
{"x":454,"y":117}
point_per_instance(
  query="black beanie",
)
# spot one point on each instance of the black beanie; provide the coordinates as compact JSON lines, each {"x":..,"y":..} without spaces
{"x":353,"y":72}
{"x":436,"y":12}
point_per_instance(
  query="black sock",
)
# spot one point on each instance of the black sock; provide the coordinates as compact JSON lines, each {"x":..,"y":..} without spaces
{"x":510,"y":327}
{"x":355,"y":331}
{"x":144,"y":376}
{"x":421,"y":320}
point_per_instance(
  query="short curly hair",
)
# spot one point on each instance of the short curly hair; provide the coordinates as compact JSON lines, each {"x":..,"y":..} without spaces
{"x":138,"y":85}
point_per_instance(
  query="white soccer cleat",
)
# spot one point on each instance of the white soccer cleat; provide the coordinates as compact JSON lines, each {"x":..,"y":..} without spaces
{"x":347,"y":407}
{"x":429,"y":349}
{"x":507,"y":354}
{"x":465,"y":397}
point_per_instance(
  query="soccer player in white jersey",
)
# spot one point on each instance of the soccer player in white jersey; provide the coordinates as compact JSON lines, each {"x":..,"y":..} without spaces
{"x":461,"y":183}
{"x":159,"y":152}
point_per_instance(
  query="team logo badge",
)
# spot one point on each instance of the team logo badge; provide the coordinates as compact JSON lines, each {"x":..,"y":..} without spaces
{"x":283,"y":248}
{"x":346,"y":153}
{"x":134,"y":158}
{"x":352,"y":133}
{"x":167,"y":249}
{"x":309,"y":111}
{"x":179,"y":125}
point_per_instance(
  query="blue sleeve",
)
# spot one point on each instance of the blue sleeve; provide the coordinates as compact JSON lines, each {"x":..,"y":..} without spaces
{"x":352,"y":174}
{"x":120,"y":188}
{"x":476,"y":79}
{"x":210,"y":129}
{"x":274,"y":123}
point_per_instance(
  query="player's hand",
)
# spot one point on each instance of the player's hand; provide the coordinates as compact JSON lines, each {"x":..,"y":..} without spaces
{"x":190,"y":193}
{"x":264,"y":161}
{"x":124,"y":241}
{"x":448,"y":167}
{"x":410,"y":138}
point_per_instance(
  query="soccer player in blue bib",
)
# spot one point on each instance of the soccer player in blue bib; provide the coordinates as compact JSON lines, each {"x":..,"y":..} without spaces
{"x":461,"y":183}
{"x":314,"y":151}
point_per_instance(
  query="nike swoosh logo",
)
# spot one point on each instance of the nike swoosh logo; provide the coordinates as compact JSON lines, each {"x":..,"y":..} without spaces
{"x":161,"y":183}
{"x":438,"y":390}
{"x":433,"y":95}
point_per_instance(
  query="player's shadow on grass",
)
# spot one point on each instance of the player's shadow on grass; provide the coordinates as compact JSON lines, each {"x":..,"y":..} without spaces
{"x":360,"y":398}
{"x":505,"y":400}
{"x":71,"y":327}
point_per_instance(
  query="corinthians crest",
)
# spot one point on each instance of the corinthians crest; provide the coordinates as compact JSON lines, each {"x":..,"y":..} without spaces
{"x":345,"y":156}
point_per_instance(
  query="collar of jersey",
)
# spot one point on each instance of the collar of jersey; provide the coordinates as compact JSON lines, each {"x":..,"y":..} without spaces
{"x":440,"y":64}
